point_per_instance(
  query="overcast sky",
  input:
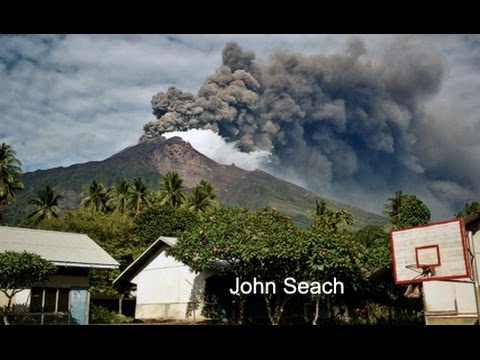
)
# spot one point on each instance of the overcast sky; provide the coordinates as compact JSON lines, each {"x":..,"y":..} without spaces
{"x":77,"y":98}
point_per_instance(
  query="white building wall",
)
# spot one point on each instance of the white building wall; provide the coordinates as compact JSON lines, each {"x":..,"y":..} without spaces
{"x":168,"y":289}
{"x":21,"y":299}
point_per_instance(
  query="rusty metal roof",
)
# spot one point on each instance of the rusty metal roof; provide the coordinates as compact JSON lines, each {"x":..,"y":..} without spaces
{"x":61,"y":248}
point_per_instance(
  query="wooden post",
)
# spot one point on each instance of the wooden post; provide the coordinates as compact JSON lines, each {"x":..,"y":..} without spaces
{"x":476,"y":281}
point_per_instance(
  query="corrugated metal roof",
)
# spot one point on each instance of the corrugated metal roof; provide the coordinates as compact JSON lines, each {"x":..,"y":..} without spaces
{"x":61,"y":248}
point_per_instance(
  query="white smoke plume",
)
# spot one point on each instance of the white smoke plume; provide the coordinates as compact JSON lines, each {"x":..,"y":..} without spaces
{"x":213,"y":146}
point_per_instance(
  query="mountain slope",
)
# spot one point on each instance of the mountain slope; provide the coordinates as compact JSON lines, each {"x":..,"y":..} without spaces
{"x":151,"y":160}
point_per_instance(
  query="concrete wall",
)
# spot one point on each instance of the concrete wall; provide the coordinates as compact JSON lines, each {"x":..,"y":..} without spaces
{"x":21,"y":300}
{"x":167,"y":289}
{"x":448,"y":302}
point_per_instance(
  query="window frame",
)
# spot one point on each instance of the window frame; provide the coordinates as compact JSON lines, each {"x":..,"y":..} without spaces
{"x":42,"y":292}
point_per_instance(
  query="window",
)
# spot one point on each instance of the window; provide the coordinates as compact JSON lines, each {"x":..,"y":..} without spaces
{"x":49,"y":300}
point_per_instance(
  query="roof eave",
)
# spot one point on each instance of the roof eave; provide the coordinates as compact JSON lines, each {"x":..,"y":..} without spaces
{"x":88,"y":265}
{"x":135,"y":267}
{"x":472,"y":219}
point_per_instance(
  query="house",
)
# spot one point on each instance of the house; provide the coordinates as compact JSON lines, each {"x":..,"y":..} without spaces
{"x":454,"y":302}
{"x":169,"y":289}
{"x":166,"y":288}
{"x":73,"y":255}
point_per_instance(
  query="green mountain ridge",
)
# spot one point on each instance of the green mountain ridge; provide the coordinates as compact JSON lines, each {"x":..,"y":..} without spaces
{"x":152,"y":159}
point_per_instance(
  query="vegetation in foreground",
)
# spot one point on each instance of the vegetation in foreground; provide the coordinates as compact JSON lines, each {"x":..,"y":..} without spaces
{"x":125,"y":218}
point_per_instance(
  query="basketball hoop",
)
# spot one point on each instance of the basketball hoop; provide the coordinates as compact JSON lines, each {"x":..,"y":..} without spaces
{"x":428,"y":271}
{"x":439,"y":252}
{"x":430,"y":252}
{"x":424,"y":271}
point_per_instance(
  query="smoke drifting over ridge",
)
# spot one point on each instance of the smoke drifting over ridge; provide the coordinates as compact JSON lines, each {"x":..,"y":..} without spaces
{"x":338,"y":124}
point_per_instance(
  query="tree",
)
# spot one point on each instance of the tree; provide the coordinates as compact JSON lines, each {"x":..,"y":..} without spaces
{"x":275,"y":241}
{"x":330,"y":219}
{"x":119,"y":196}
{"x":46,"y":203}
{"x":202,"y":198}
{"x":207,"y":188}
{"x":371,"y":235}
{"x":328,"y":254}
{"x":262,"y":244}
{"x":375,"y":244}
{"x":329,"y":250}
{"x":21,"y":270}
{"x":394,"y":205}
{"x":95,"y":197}
{"x":161,"y":220}
{"x":468,"y":209}
{"x":171,"y":190}
{"x":138,"y":197}
{"x":414,"y":213}
{"x":10,"y":170}
{"x":321,"y":207}
{"x":406,"y":210}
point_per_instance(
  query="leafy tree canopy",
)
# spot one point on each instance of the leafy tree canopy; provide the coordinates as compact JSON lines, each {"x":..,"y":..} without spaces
{"x":249,"y":241}
{"x":162,"y":220}
{"x":330,"y":249}
{"x":329,"y":219}
{"x":262,"y":244}
{"x":375,"y":244}
{"x":21,"y":270}
{"x":331,"y":252}
{"x":406,"y":210}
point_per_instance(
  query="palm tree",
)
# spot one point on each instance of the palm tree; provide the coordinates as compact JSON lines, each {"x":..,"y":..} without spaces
{"x":171,"y":190}
{"x":468,"y":209}
{"x":341,"y":218}
{"x":393,"y":207}
{"x":119,"y":197}
{"x":10,"y":169}
{"x":208,"y":189}
{"x":202,"y":198}
{"x":95,"y":197}
{"x":321,"y":207}
{"x":47,"y":205}
{"x":330,"y":219}
{"x":138,"y":197}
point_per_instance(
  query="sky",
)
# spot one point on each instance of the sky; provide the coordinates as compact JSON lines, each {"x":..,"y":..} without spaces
{"x":75,"y":98}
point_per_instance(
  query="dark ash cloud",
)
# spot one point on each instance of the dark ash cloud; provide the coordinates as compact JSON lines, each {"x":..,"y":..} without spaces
{"x":338,"y":123}
{"x":357,"y":122}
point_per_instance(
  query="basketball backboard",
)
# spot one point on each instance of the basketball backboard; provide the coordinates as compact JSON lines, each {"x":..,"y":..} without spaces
{"x":435,"y":251}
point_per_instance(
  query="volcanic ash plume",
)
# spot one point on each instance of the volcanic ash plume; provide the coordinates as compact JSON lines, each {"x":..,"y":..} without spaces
{"x":340,"y":117}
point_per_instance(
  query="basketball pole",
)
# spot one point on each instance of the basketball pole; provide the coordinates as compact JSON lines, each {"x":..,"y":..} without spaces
{"x":476,"y":282}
